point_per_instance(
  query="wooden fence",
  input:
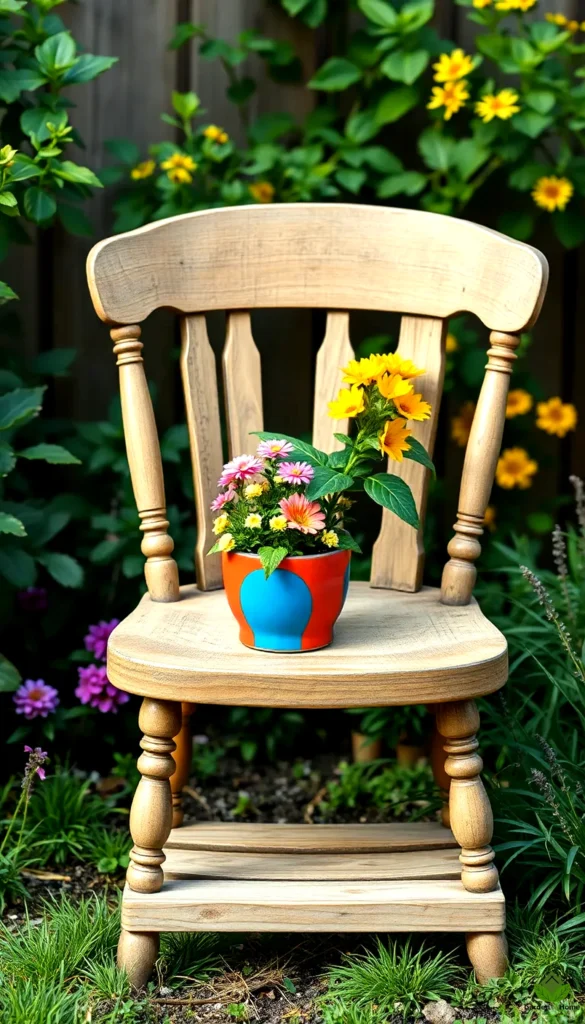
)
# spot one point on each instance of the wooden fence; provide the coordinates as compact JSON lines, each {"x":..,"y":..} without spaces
{"x":126,"y":102}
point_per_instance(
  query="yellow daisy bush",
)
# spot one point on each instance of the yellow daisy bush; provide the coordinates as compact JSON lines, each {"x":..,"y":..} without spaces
{"x":262,"y":191}
{"x":350,"y":402}
{"x":515,"y":468}
{"x":143,"y":170}
{"x":552,"y":193}
{"x":366,"y":370}
{"x":503,"y":104}
{"x":451,"y":66}
{"x":179,"y":168}
{"x":556,"y":417}
{"x":452,"y":96}
{"x":393,"y":439}
{"x":215,"y":134}
{"x":461,"y":424}
{"x":519,"y":402}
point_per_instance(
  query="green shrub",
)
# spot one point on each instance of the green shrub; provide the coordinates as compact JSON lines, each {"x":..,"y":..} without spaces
{"x":408,"y":793}
{"x":62,"y":816}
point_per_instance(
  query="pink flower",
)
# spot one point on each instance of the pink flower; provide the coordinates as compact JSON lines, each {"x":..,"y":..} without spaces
{"x":222,"y":499}
{"x":274,"y":449}
{"x":302,"y":514}
{"x":35,"y":699}
{"x":33,"y":766}
{"x":96,"y":689}
{"x":243,"y":467}
{"x":296,"y":472}
{"x":96,"y":640}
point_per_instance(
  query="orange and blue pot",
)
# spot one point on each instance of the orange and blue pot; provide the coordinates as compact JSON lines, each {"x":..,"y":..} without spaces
{"x":296,"y":608}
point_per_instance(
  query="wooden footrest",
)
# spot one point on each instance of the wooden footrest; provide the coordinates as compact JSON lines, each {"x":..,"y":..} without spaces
{"x":350,"y":878}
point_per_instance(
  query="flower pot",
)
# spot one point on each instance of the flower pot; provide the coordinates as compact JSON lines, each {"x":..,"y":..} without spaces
{"x":296,"y":608}
{"x":365,"y":749}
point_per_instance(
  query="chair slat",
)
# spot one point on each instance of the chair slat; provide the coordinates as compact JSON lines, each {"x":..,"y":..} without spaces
{"x":335,"y":351}
{"x":242,"y":376}
{"x":198,"y":369}
{"x":398,"y":554}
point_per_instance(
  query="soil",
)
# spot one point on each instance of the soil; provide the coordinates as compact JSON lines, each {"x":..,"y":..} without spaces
{"x":268,"y":979}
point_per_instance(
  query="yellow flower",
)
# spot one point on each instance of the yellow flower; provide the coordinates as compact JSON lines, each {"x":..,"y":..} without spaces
{"x":557,"y":19}
{"x":392,"y":440}
{"x":451,"y":343}
{"x":226,"y":542}
{"x":461,"y":424}
{"x":556,"y":417}
{"x":253,"y":490}
{"x":215,"y":133}
{"x":330,"y":539}
{"x":572,"y":26}
{"x":262,"y":191}
{"x":221,"y":523}
{"x":179,"y":176}
{"x":253,"y":521}
{"x":552,"y":193}
{"x":451,"y":96}
{"x":349,"y":402}
{"x":481,"y":3}
{"x":412,"y":407}
{"x":519,"y":402}
{"x":278,"y":523}
{"x":489,"y":518}
{"x":451,"y":66}
{"x":7,"y":154}
{"x":364,"y":371}
{"x":502,"y":104}
{"x":515,"y":468}
{"x":278,"y":479}
{"x":181,"y":160}
{"x":393,"y":363}
{"x":143,"y":170}
{"x":514,"y":5}
{"x":392,"y":387}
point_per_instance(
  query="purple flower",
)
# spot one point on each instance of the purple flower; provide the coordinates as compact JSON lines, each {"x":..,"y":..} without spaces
{"x":296,"y":472}
{"x":96,"y":640}
{"x":96,"y":690}
{"x":33,"y":766}
{"x":33,"y":599}
{"x":274,"y":449}
{"x":35,"y":699}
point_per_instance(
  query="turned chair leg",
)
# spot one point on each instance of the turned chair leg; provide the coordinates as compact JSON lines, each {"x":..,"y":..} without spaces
{"x":150,"y":824}
{"x":182,"y":757}
{"x":472,"y":824}
{"x":440,"y":775}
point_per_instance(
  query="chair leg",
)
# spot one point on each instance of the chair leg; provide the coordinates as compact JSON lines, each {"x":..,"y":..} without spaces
{"x":182,"y":757}
{"x":469,"y":807}
{"x":488,"y":952}
{"x":440,"y":775}
{"x":137,"y":953}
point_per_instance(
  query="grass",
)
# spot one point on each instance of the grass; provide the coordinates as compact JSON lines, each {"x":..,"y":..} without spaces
{"x":62,"y":813}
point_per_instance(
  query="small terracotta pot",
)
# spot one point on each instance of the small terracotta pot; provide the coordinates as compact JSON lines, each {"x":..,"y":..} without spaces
{"x":364,"y":749}
{"x":407,"y":755}
{"x":296,"y":608}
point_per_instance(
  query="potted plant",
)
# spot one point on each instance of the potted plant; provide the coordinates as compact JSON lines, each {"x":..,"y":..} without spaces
{"x":283,"y":513}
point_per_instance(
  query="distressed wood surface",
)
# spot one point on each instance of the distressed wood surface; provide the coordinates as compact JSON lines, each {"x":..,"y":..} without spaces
{"x":332,"y":255}
{"x":389,"y":648}
{"x":333,"y":354}
{"x":284,"y":906}
{"x":398,"y":554}
{"x":242,"y":382}
{"x":240,"y":837}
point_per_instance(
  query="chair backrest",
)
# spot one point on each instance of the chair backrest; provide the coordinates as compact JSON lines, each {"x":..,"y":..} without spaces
{"x":336,"y":257}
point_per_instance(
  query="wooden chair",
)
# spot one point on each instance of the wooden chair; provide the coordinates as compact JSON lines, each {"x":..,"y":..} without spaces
{"x":395,"y":644}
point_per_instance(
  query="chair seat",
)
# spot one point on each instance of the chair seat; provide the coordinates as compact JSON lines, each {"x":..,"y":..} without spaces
{"x":389,"y":648}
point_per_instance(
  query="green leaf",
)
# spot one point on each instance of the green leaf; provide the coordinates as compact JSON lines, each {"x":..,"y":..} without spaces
{"x":10,"y":677}
{"x":185,"y":104}
{"x":541,"y":100}
{"x":12,"y":83}
{"x":35,"y":121}
{"x":6,"y":293}
{"x":87,"y":67}
{"x":64,"y":569}
{"x":379,"y":12}
{"x":530,"y":123}
{"x":289,"y":986}
{"x":347,"y":543}
{"x":20,"y":405}
{"x":344,"y":438}
{"x":409,"y":182}
{"x":469,"y":156}
{"x":23,"y":169}
{"x":406,"y":67}
{"x":11,"y":6}
{"x":39,"y":206}
{"x":517,"y":223}
{"x":569,"y":228}
{"x":74,"y":220}
{"x":381,"y":160}
{"x":418,"y":453}
{"x":335,"y":74}
{"x":7,"y":458}
{"x":55,"y":362}
{"x":361,"y":127}
{"x":271,"y":558}
{"x":79,"y":175}
{"x":124,"y":150}
{"x":18,"y":567}
{"x":269,"y":127}
{"x":395,"y":104}
{"x":523,"y":178}
{"x":327,"y":481}
{"x":437,"y":151}
{"x":56,"y":54}
{"x":8,"y":199}
{"x":107,"y":865}
{"x":53,"y":453}
{"x":302,"y":449}
{"x":185,"y":31}
{"x":394,"y":494}
{"x":10,"y":524}
{"x":350,"y":179}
